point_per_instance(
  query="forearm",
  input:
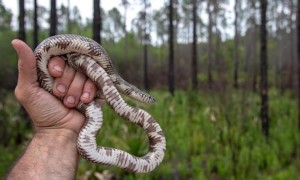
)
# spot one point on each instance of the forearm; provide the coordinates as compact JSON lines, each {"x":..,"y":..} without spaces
{"x":51,"y":154}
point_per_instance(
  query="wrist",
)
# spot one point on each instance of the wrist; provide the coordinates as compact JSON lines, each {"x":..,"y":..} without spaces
{"x":56,"y":135}
{"x":51,"y":153}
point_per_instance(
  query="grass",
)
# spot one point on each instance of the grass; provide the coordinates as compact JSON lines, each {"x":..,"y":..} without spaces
{"x":209,"y":136}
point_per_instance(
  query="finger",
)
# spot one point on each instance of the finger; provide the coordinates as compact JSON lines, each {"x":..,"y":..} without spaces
{"x":26,"y":63}
{"x":75,"y":89}
{"x":61,"y":84}
{"x":56,"y":67}
{"x":89,"y":92}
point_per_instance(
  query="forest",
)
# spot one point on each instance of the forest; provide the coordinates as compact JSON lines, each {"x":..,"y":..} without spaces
{"x":225,"y":75}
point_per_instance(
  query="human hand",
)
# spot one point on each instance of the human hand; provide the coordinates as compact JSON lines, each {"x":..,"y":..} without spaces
{"x":45,"y":110}
{"x":52,"y":148}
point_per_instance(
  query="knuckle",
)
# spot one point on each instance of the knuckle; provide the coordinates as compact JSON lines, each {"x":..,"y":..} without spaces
{"x":67,"y":77}
{"x":25,"y":96}
{"x":76,"y":86}
{"x":19,"y":94}
{"x":68,"y":74}
{"x":75,"y":90}
{"x":90,"y":86}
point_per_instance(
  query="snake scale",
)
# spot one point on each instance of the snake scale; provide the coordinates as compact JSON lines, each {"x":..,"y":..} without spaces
{"x":87,"y":56}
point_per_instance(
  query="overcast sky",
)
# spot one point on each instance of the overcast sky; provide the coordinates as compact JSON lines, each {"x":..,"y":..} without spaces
{"x":85,"y":7}
{"x":86,"y":10}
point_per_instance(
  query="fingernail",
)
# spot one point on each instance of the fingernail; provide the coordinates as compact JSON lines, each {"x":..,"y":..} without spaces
{"x":58,"y":68}
{"x":85,"y":95}
{"x":61,"y":88}
{"x":71,"y":99}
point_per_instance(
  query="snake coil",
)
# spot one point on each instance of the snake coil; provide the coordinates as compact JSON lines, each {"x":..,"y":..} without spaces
{"x":88,"y":56}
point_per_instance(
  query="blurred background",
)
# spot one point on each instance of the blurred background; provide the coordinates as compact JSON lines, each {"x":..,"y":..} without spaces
{"x":224,"y":74}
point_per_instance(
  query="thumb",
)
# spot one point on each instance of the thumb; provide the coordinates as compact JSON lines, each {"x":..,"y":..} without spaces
{"x":26,"y":63}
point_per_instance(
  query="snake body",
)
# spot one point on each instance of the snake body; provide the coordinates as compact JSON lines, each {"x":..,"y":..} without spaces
{"x":88,"y":56}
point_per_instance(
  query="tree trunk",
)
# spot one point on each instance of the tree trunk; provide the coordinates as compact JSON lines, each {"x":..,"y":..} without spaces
{"x":146,"y":83}
{"x":125,"y":3}
{"x":69,"y":29}
{"x":171,"y":49}
{"x":236,"y":44}
{"x":298,"y":54}
{"x":97,"y":22}
{"x":280,"y":46}
{"x":53,"y":18}
{"x":210,"y":24}
{"x":254,"y":37}
{"x":264,"y":69}
{"x":194,"y":48}
{"x":22,"y":34}
{"x":35,"y":25}
{"x":291,"y":48}
{"x":255,"y":57}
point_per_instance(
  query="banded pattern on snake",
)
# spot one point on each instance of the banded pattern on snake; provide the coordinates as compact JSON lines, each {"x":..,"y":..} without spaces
{"x":88,"y":56}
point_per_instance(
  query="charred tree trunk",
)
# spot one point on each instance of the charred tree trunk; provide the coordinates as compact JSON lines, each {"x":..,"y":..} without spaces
{"x":255,"y":39}
{"x":125,"y":4}
{"x":298,"y":54}
{"x":35,"y":25}
{"x":69,"y":29}
{"x":146,"y":84}
{"x":171,"y":49}
{"x":236,"y":45}
{"x":291,"y":65}
{"x":210,"y":26}
{"x":53,"y":18}
{"x":22,"y":34}
{"x":146,"y":40}
{"x":97,"y":22}
{"x":264,"y":68}
{"x":194,"y":49}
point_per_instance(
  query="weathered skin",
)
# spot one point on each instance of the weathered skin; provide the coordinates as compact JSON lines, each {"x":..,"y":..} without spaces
{"x":87,"y":56}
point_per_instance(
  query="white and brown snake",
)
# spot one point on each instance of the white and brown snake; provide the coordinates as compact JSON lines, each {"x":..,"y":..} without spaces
{"x":89,"y":57}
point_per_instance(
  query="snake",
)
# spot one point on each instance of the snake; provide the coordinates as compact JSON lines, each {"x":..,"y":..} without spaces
{"x":89,"y":57}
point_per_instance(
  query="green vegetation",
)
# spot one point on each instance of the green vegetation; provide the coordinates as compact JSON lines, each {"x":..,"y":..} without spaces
{"x":209,"y":136}
{"x":214,"y":133}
